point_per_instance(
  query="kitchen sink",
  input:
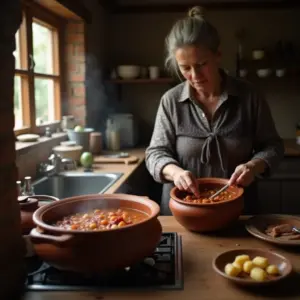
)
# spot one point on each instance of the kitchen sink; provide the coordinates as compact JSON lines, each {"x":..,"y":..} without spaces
{"x":74,"y":184}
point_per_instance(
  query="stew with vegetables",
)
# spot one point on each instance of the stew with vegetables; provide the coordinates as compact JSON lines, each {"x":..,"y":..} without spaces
{"x":204,"y":196}
{"x":101,"y":219}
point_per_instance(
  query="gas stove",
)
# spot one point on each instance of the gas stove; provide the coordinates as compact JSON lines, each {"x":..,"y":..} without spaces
{"x":161,"y":271}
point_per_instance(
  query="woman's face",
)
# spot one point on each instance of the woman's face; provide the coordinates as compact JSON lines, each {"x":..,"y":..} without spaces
{"x":200,"y":67}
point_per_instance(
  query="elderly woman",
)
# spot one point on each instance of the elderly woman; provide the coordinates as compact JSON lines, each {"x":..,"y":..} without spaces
{"x":211,"y":125}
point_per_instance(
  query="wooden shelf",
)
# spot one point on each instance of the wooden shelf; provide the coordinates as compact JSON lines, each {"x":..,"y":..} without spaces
{"x":143,"y":81}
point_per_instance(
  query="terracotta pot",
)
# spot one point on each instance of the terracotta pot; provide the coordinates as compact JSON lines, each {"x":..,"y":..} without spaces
{"x":27,"y":209}
{"x":206,"y":217}
{"x":95,"y":251}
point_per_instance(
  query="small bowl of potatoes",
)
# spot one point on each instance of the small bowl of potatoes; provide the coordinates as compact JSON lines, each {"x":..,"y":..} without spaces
{"x":252,"y":267}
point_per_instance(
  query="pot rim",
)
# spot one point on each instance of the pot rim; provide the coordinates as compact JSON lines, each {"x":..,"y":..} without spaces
{"x":38,"y":214}
{"x":212,"y":180}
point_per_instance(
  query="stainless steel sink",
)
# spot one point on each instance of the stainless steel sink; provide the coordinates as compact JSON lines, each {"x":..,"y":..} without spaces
{"x":74,"y":184}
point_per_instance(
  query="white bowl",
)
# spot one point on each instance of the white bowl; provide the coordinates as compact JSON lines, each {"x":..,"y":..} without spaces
{"x":128,"y":71}
{"x":258,"y":54}
{"x":262,"y":73}
{"x":280,"y":72}
{"x":243,"y":72}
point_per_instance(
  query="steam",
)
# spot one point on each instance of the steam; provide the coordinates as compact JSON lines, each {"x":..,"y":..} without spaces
{"x":102,"y":98}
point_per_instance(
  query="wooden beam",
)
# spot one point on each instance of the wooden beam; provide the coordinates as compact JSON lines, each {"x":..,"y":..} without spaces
{"x":162,"y":8}
{"x":77,"y":8}
{"x":58,"y":9}
{"x":108,"y":4}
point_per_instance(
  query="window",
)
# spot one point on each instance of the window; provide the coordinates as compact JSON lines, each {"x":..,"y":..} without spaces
{"x":37,"y":81}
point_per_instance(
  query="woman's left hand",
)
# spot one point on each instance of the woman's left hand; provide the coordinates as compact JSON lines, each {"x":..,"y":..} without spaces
{"x":243,"y":175}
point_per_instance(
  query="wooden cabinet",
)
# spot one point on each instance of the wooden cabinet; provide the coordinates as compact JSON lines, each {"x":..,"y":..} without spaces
{"x":269,"y":196}
{"x":290,"y":196}
{"x":281,"y":192}
{"x":137,"y":183}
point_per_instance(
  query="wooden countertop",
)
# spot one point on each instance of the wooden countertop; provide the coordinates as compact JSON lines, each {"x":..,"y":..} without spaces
{"x":291,"y":147}
{"x":200,"y":280}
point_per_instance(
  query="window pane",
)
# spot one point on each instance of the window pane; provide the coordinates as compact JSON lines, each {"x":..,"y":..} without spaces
{"x":44,"y":100}
{"x":42,"y":48}
{"x":18,"y":103}
{"x":17,"y":51}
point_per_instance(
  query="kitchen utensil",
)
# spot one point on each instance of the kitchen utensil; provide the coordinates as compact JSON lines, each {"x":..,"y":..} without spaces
{"x":280,"y":72}
{"x":257,"y":225}
{"x":225,"y":187}
{"x":23,"y":199}
{"x":263,"y":73}
{"x":95,"y":251}
{"x":207,"y":217}
{"x":81,"y":138}
{"x":106,"y":159}
{"x":95,"y":143}
{"x":117,"y":155}
{"x":153,"y":72}
{"x":68,"y":122}
{"x":128,"y":71}
{"x":69,"y":152}
{"x":128,"y":128}
{"x":68,"y":143}
{"x":28,"y":205}
{"x":283,"y":264}
{"x":26,"y":138}
{"x":296,"y":229}
{"x":258,"y":54}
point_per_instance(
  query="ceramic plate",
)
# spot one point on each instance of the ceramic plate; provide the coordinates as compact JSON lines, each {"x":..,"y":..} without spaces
{"x":258,"y":225}
{"x":28,"y":137}
{"x":283,"y":264}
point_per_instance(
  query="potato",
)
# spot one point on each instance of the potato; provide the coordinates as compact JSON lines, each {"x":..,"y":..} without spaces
{"x":231,"y":270}
{"x":238,"y":266}
{"x":260,"y":262}
{"x":248,"y":266}
{"x":272,"y":270}
{"x":241,"y":259}
{"x":258,"y":274}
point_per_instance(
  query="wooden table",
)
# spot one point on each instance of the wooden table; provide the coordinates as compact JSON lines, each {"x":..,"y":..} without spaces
{"x":200,"y":280}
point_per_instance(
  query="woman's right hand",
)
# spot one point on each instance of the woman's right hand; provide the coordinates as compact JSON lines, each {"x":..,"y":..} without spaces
{"x":185,"y":181}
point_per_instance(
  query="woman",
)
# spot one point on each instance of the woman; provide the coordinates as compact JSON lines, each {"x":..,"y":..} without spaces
{"x":211,"y":125}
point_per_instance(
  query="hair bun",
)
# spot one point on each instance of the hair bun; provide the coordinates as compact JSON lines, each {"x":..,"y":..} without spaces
{"x":196,"y":12}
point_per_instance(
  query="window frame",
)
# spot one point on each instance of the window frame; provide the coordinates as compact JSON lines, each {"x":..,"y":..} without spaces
{"x":33,"y":12}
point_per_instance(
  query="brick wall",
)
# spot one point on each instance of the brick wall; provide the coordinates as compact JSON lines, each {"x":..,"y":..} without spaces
{"x":74,"y":102}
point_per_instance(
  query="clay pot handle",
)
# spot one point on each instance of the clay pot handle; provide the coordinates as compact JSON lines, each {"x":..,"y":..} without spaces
{"x":48,"y":238}
{"x":46,"y":197}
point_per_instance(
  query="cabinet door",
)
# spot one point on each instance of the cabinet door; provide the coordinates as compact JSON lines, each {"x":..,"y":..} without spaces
{"x":291,"y":197}
{"x":269,"y":196}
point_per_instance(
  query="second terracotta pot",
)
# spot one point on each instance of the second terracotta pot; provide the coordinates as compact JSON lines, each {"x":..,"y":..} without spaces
{"x":206,"y":217}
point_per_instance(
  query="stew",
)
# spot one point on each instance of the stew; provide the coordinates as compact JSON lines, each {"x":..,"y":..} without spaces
{"x":204,"y":196}
{"x":101,"y":219}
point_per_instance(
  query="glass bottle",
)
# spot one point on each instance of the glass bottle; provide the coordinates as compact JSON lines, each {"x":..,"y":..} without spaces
{"x":19,"y":188}
{"x":28,"y":189}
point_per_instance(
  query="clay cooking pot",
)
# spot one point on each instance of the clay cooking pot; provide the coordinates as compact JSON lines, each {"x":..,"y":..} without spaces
{"x":27,"y":207}
{"x":210,"y":216}
{"x":95,"y":251}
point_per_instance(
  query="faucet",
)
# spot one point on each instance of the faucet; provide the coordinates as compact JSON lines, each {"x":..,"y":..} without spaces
{"x":56,"y":164}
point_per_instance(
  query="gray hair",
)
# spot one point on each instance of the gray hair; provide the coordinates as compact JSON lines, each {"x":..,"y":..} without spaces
{"x":192,"y":30}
